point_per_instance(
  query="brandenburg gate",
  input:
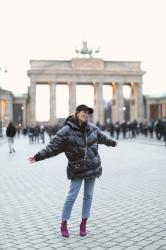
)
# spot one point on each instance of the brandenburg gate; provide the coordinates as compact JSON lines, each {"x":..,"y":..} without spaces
{"x":93,"y":71}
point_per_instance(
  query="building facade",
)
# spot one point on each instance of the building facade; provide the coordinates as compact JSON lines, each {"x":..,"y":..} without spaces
{"x":13,"y":108}
{"x":155,"y":106}
{"x":92,"y":71}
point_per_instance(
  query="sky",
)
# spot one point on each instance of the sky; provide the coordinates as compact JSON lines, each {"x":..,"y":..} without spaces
{"x":125,"y":30}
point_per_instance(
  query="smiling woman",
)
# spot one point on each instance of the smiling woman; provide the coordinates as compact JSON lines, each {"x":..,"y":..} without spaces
{"x":79,"y":140}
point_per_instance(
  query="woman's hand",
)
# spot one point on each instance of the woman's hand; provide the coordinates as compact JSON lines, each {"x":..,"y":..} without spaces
{"x":114,"y":144}
{"x":32,"y":159}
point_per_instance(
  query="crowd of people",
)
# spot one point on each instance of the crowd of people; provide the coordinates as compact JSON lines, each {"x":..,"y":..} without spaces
{"x":36,"y":134}
{"x":152,"y":129}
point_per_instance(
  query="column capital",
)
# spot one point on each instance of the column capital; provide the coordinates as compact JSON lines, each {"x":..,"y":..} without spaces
{"x":52,"y":82}
{"x":33,"y":82}
{"x":71,"y":83}
{"x":119,"y":83}
{"x":98,"y":83}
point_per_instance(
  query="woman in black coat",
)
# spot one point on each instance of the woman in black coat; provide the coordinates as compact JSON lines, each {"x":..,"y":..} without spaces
{"x":79,"y":140}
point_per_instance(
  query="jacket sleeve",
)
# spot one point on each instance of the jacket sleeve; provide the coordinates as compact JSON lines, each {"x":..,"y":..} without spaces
{"x":104,"y":139}
{"x":55,"y":146}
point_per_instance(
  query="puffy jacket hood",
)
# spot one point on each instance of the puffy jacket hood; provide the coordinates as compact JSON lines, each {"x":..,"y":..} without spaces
{"x":73,"y":123}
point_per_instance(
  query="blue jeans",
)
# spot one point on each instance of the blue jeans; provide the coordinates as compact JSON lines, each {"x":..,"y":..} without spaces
{"x":72,"y":195}
{"x":11,"y":144}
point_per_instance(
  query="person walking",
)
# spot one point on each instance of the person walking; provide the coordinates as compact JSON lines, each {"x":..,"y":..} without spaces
{"x":117,"y":129}
{"x":164,"y":130}
{"x":10,"y":133}
{"x":79,"y":140}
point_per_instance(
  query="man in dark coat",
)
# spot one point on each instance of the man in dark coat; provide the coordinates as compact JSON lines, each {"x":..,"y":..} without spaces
{"x":79,"y":140}
{"x":10,"y":133}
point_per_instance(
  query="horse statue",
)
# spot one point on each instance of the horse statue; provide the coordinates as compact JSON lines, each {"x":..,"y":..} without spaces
{"x":85,"y":50}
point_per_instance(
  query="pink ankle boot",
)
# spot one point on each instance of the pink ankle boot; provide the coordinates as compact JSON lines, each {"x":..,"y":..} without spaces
{"x":83,"y":227}
{"x":64,"y":229}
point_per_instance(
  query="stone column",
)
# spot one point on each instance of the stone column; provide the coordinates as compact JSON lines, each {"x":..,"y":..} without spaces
{"x":72,"y":97}
{"x":24,"y":114}
{"x":132,"y":102}
{"x":140,"y":106}
{"x":32,"y":105}
{"x":163,"y":110}
{"x":159,"y":111}
{"x":148,"y":111}
{"x":117,"y":102}
{"x":6,"y":110}
{"x":28,"y":109}
{"x":98,"y":103}
{"x":52,"y":103}
{"x":9,"y":110}
{"x":136,"y":102}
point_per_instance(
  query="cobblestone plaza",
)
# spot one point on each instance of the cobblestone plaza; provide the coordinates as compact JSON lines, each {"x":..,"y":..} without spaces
{"x":128,"y":210}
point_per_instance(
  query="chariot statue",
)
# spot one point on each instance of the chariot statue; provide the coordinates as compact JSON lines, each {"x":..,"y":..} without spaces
{"x":85,"y":50}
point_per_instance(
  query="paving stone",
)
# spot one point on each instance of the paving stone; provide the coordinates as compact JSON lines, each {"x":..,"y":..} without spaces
{"x":154,"y":238}
{"x":10,"y":248}
{"x":128,"y":210}
{"x":7,"y":245}
{"x":147,"y":234}
{"x":97,"y":248}
{"x":117,"y":248}
{"x":109,"y":244}
{"x":41,"y":245}
{"x":120,"y":239}
{"x":157,"y":230}
{"x":161,"y":242}
{"x":138,"y":238}
{"x":103,"y":240}
{"x":151,"y":247}
{"x":162,"y":233}
{"x":133,"y":247}
{"x":24,"y":245}
{"x":144,"y":243}
{"x":127,"y":243}
{"x":131,"y":235}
